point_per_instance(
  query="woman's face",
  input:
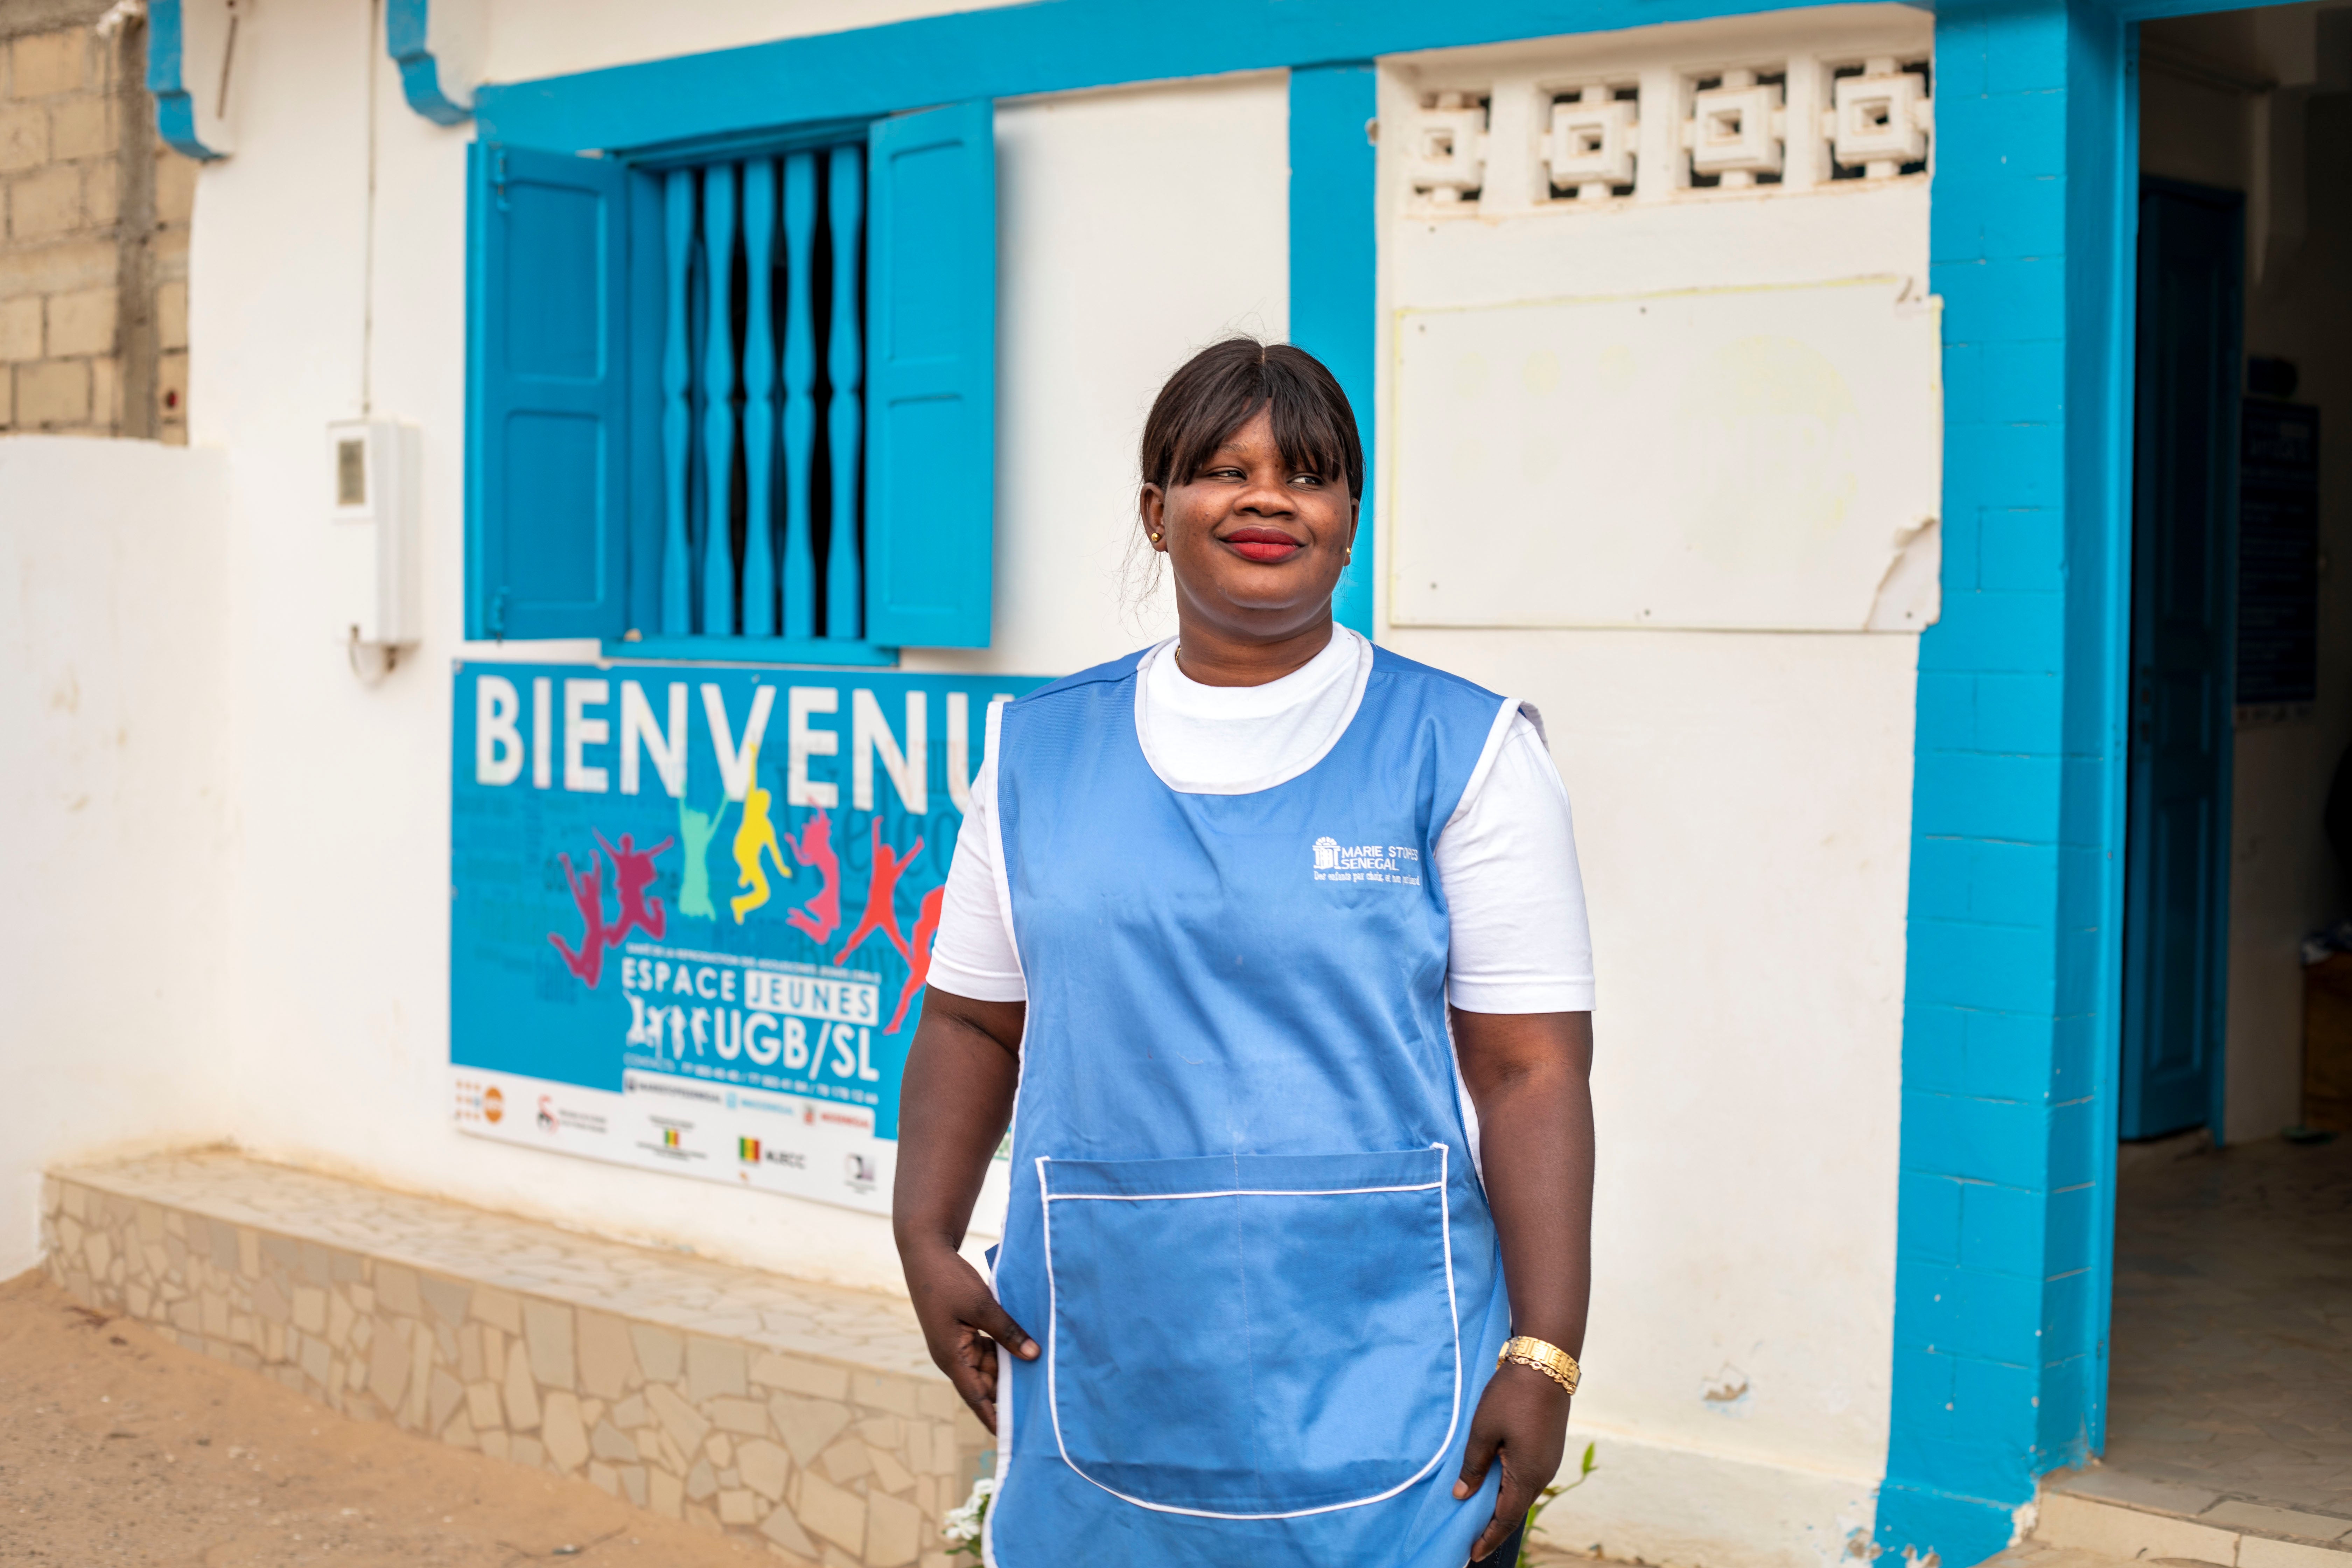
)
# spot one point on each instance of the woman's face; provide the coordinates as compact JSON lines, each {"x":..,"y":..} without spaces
{"x":1256,"y":547}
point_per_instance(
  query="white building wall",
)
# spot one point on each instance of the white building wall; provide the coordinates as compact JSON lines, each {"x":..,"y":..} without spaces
{"x":1744,"y":797}
{"x":1743,"y":803}
{"x":120,"y":853}
{"x":340,"y":1037}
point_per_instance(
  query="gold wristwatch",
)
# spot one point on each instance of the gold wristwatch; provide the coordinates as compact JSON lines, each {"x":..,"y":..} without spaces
{"x":1545,"y":1357}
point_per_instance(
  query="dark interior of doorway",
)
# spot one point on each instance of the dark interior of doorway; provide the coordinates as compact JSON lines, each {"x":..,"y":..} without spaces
{"x":2191,"y":308}
{"x":2230,"y":1340}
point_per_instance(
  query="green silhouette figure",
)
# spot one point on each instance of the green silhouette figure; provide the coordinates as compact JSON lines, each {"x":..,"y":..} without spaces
{"x":697,"y":829}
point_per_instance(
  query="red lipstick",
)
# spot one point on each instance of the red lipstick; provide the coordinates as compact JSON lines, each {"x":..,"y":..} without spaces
{"x":1263,"y":544}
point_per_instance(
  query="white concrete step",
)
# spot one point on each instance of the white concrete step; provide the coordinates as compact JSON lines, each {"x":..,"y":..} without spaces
{"x":2119,"y":1515}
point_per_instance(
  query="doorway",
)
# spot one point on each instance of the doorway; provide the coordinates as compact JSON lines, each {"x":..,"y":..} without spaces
{"x":2184,"y":545}
{"x":2230,"y":1386}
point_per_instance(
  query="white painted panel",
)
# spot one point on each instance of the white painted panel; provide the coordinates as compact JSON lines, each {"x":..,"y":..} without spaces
{"x":1737,"y":457}
{"x":114,"y":772}
{"x":550,"y":37}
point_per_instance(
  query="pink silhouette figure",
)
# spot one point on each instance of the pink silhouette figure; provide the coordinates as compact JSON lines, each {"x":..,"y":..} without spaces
{"x":812,"y":845}
{"x":918,"y":965}
{"x":588,"y":892}
{"x":633,"y":873}
{"x":881,"y":898}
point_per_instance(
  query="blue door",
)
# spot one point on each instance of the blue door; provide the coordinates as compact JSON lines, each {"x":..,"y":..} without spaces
{"x":2184,"y":529}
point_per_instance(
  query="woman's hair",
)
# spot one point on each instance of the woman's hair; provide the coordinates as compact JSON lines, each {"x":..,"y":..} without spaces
{"x":1218,"y":390}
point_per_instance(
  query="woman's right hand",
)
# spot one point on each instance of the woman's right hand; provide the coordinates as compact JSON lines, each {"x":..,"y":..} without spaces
{"x":963,"y":1325}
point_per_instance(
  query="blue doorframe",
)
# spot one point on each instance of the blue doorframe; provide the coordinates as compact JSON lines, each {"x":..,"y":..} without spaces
{"x":2005,"y":1221}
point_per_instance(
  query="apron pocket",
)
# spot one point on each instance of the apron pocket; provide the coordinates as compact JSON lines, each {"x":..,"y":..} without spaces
{"x":1252,"y":1336}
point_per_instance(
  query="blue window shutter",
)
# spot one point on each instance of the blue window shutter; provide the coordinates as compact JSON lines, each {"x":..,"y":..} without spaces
{"x":547,"y":371}
{"x":931,"y":456}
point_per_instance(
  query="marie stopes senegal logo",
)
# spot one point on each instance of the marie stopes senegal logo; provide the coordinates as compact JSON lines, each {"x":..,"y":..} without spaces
{"x":1337,"y":862}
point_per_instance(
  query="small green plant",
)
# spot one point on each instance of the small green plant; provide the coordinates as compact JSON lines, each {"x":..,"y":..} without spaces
{"x":963,"y":1523}
{"x":1550,"y":1494}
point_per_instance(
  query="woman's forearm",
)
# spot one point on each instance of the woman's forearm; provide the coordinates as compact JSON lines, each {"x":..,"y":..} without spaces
{"x":954,"y":1105}
{"x":1529,"y":1075}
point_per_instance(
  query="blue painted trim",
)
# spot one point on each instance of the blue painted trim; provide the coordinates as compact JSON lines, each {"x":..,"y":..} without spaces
{"x":2012,"y":995}
{"x":1335,"y":269}
{"x":717,"y":390}
{"x":757,"y":650}
{"x":479,"y":612}
{"x":175,"y":110}
{"x":406,"y":24}
{"x":759,"y":400}
{"x":845,"y":365}
{"x":677,"y":401}
{"x":1050,"y":45}
{"x":2123,"y":339}
{"x":799,"y":396}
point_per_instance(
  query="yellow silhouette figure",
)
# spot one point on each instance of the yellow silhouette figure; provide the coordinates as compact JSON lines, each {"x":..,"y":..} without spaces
{"x":755,"y":833}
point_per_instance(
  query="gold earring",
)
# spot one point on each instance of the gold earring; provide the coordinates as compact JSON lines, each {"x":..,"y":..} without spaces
{"x":1350,"y":559}
{"x":1155,"y":539}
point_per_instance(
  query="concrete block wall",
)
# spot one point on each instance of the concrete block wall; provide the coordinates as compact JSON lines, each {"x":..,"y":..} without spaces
{"x":800,"y":1420}
{"x":94,"y":216}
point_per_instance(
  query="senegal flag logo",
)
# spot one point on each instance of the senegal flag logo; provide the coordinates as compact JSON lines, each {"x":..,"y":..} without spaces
{"x":748,"y":1150}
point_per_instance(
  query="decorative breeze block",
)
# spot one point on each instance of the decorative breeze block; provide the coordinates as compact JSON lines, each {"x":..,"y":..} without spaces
{"x":1447,"y":157}
{"x":1881,"y":119}
{"x":1592,"y":143}
{"x":1734,"y":129}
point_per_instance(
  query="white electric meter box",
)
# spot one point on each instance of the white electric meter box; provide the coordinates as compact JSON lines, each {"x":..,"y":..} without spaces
{"x":374,"y":470}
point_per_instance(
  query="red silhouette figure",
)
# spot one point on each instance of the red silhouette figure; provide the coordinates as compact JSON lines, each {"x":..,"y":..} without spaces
{"x":919,"y":966}
{"x":633,"y":873}
{"x":881,"y":898}
{"x":588,"y":892}
{"x":812,"y":845}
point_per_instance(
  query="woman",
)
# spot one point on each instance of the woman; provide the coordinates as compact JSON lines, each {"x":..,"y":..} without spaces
{"x":1271,"y":1229}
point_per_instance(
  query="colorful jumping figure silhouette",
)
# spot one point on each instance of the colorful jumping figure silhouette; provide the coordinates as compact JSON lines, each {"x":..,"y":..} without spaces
{"x":697,"y":828}
{"x":633,"y":873}
{"x":919,"y":966}
{"x":881,"y":898}
{"x":819,"y":917}
{"x":754,"y":835}
{"x":588,"y":892}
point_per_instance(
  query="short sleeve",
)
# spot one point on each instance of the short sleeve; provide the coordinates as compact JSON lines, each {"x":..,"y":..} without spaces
{"x":1508,"y":864}
{"x":972,"y":955}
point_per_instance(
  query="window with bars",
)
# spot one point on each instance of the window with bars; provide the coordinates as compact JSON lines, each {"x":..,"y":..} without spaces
{"x":736,"y":405}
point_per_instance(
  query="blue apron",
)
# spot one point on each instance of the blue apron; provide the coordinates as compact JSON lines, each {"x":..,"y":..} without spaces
{"x":1245,"y":1227}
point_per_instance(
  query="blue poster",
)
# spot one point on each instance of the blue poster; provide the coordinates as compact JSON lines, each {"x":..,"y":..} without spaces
{"x":691,"y":910}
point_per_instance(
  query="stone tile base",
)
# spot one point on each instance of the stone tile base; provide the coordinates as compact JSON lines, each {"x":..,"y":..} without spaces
{"x":2117,"y":1514}
{"x":804,"y":1418}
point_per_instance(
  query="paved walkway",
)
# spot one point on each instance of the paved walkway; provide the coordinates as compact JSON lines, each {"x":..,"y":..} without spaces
{"x":122,"y":1450}
{"x":2233,"y":1348}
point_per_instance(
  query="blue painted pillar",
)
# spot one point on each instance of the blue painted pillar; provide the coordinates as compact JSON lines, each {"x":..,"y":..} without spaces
{"x":2012,"y":994}
{"x":1334,"y":264}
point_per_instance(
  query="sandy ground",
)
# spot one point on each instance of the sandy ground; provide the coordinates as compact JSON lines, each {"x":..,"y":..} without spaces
{"x":118,"y":1449}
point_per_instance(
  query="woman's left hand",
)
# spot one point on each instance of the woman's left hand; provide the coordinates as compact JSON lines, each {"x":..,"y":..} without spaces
{"x":1523,"y":1419}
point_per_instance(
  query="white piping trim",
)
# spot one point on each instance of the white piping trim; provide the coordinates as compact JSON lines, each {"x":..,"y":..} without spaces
{"x":1054,"y":1327}
{"x":1497,"y":733}
{"x":1468,"y":1107}
{"x":993,"y":758}
{"x":1003,"y":1442}
{"x":1252,"y":787}
{"x":1234,"y":1192}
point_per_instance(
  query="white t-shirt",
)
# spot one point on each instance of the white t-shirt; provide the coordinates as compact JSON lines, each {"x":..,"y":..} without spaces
{"x":1507,"y":858}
